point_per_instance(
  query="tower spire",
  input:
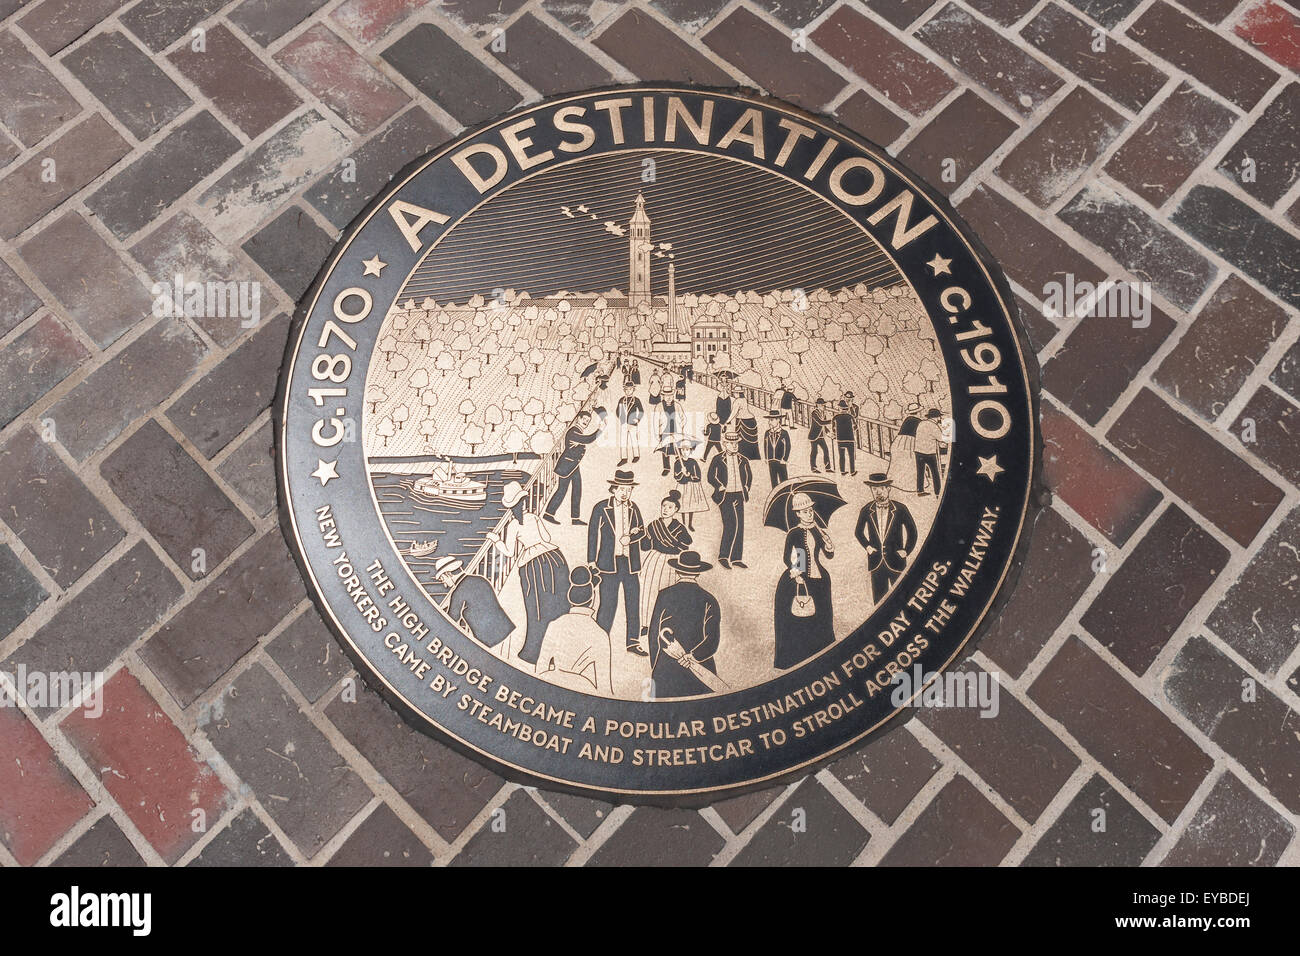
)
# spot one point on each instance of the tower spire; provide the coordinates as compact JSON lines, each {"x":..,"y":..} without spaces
{"x":639,"y":247}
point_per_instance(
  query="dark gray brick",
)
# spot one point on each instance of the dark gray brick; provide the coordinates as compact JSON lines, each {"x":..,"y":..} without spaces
{"x":103,"y":845}
{"x":811,"y":828}
{"x":1080,"y":837}
{"x":128,"y":82}
{"x":250,"y":469}
{"x":444,"y":72}
{"x":291,"y":250}
{"x":34,"y":363}
{"x":310,"y":655}
{"x":519,"y":833}
{"x":245,"y":841}
{"x":23,"y":593}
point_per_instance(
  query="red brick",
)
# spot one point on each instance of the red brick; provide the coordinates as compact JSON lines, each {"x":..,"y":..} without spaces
{"x":143,"y":760}
{"x":1276,"y":424}
{"x":342,"y":79}
{"x":239,"y":84}
{"x":766,"y":55}
{"x":887,"y":774}
{"x":653,"y":52}
{"x":867,"y":116}
{"x":1274,"y":31}
{"x":830,"y":835}
{"x":1074,"y":840}
{"x":440,"y":68}
{"x":960,"y":827}
{"x":1126,"y":732}
{"x":1194,"y":466}
{"x":905,"y":77}
{"x":1233,"y":827}
{"x":967,"y":131}
{"x":544,"y":842}
{"x":368,"y":20}
{"x":1045,"y":163}
{"x":39,"y":799}
{"x":1104,"y":491}
{"x":126,"y":80}
{"x":34,"y":363}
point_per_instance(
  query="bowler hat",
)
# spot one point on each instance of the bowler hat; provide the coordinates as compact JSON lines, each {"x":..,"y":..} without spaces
{"x":623,"y":478}
{"x":688,"y":562}
{"x":879,"y":478}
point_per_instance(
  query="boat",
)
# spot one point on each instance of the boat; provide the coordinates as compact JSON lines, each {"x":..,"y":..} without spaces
{"x":422,"y":549}
{"x":452,"y":487}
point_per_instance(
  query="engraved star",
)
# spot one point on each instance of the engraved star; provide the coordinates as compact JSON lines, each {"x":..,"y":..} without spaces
{"x":373,"y":266}
{"x":326,"y":471}
{"x":939,"y":265}
{"x":989,"y":467}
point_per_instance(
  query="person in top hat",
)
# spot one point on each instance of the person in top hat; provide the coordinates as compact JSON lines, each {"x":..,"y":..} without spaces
{"x":576,"y":440}
{"x":629,"y":413}
{"x":887,"y":532}
{"x":614,"y":549}
{"x":820,"y":429}
{"x":776,"y":448}
{"x":471,"y":603}
{"x":929,"y":439}
{"x":543,"y":572}
{"x":846,"y":438}
{"x":684,"y":633}
{"x":730,"y":477}
{"x":575,"y":652}
{"x":670,"y":413}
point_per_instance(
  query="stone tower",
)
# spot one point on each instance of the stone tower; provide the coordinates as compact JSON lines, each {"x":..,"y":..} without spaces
{"x":638,"y":251}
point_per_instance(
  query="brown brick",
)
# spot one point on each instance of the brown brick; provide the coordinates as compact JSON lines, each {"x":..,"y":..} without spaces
{"x":17,"y":301}
{"x":1276,"y":422}
{"x":992,"y":61}
{"x":654,"y":837}
{"x":1233,"y":827}
{"x":1005,"y":12}
{"x":342,"y":79}
{"x":1260,"y":733}
{"x":238,"y":83}
{"x":739,"y":812}
{"x":174,"y":165}
{"x":967,"y":131}
{"x":245,"y":841}
{"x":223,"y":623}
{"x":68,"y":539}
{"x":530,"y":838}
{"x":443,"y":787}
{"x":160,"y":22}
{"x":867,"y":116}
{"x":1228,"y":70}
{"x":547,"y":61}
{"x":888,"y":773}
{"x":960,"y":827}
{"x":1056,"y":572}
{"x":91,"y":629}
{"x":268,"y":20}
{"x":23,"y":593}
{"x":291,"y":249}
{"x":1106,"y":12}
{"x":444,"y":72}
{"x":1163,"y":151}
{"x":1012,"y":751}
{"x":1119,"y":72}
{"x":901,"y":13}
{"x":1160,"y":581}
{"x":1212,"y":360}
{"x":581,"y":813}
{"x":1121,"y":728}
{"x":384,"y":840}
{"x":1104,"y":491}
{"x":906,"y":77}
{"x":250,"y":470}
{"x":1047,"y":162}
{"x":182,"y":246}
{"x":34,"y":363}
{"x":1286,"y":375}
{"x":103,"y":845}
{"x":225,"y":401}
{"x":79,"y":156}
{"x":1195,"y":467}
{"x":175,"y":499}
{"x":1075,"y":840}
{"x":39,"y":799}
{"x":33,"y":103}
{"x":141,"y":375}
{"x":1273,"y":144}
{"x":1212,"y":11}
{"x":768,"y":57}
{"x":128,"y":82}
{"x":653,"y":52}
{"x":300,"y":779}
{"x":1031,"y":253}
{"x":828,"y":834}
{"x":309,"y":654}
{"x":53,"y":24}
{"x":1257,"y":617}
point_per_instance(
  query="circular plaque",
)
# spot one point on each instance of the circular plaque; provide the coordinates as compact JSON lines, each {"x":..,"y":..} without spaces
{"x":656,"y":442}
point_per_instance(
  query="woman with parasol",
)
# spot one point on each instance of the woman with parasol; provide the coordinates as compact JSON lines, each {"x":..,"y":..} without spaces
{"x":689,"y":478}
{"x":803,"y":615}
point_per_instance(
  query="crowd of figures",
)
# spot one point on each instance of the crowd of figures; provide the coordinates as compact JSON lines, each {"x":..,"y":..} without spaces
{"x":656,"y":569}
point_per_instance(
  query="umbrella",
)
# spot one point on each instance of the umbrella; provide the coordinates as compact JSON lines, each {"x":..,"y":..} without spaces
{"x":673,"y":438}
{"x":825,"y":495}
{"x":588,"y":370}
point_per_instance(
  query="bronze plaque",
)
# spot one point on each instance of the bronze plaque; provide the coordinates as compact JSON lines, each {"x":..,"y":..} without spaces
{"x":656,"y":443}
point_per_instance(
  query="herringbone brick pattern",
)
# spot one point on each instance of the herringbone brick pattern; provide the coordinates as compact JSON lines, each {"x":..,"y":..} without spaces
{"x":1150,"y":660}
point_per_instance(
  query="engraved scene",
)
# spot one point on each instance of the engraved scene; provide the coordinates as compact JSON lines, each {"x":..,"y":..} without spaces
{"x":657,"y":425}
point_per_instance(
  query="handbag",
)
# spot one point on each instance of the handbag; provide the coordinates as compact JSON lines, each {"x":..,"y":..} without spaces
{"x":802,"y":605}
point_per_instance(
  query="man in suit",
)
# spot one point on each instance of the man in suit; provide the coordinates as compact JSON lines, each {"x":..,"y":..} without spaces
{"x":567,"y":465}
{"x":887,"y":532}
{"x":846,"y":438}
{"x":629,"y":412}
{"x":472,"y":604}
{"x":730,"y":476}
{"x":669,"y":415}
{"x":684,"y":631}
{"x":820,"y":428}
{"x":614,"y":549}
{"x":776,"y":448}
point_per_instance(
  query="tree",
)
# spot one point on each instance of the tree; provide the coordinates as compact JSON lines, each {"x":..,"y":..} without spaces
{"x":541,"y":443}
{"x":429,"y":399}
{"x":489,"y":347}
{"x":397,"y":363}
{"x":561,"y":383}
{"x":930,"y":370}
{"x":513,"y":405}
{"x":467,"y":408}
{"x":420,"y":380}
{"x":879,"y":385}
{"x":781,"y":369}
{"x":873,"y":345}
{"x":751,"y":352}
{"x":493,"y":416}
{"x":471,"y":370}
{"x":421,"y":332}
{"x":473,"y":436}
{"x":400,"y":416}
{"x":516,"y":367}
{"x":460,"y":345}
{"x":388,"y":345}
{"x":428,"y":428}
{"x":915,"y":384}
{"x":400,"y":322}
{"x":385,"y":429}
{"x":799,"y":345}
{"x":834,"y":334}
{"x":375,"y":395}
{"x":436,"y":348}
{"x":514,"y":441}
{"x":532,"y":408}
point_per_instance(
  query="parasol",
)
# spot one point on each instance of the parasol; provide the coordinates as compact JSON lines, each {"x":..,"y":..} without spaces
{"x":675,"y":439}
{"x":825,"y":495}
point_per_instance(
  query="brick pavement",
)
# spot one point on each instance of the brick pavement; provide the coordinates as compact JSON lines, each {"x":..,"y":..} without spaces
{"x":1150,"y":662}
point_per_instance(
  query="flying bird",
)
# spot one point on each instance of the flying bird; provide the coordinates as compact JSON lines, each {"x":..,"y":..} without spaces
{"x":583,"y":208}
{"x":565,"y":210}
{"x":615,"y":228}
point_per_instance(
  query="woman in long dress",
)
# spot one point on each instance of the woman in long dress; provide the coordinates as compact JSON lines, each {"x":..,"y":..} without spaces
{"x":665,"y":537}
{"x":690,"y":484}
{"x":543,"y":572}
{"x":807,"y":546}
